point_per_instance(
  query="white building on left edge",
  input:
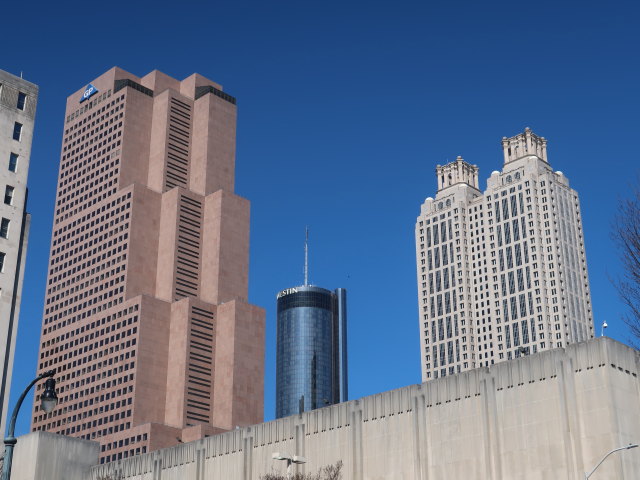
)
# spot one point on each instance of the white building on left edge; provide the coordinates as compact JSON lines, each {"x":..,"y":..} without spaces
{"x":18,"y":99}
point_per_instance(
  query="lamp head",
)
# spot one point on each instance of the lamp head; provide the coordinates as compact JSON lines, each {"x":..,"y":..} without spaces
{"x":280,"y":456}
{"x":49,"y":399}
{"x":632,"y":445}
{"x":604,"y":325}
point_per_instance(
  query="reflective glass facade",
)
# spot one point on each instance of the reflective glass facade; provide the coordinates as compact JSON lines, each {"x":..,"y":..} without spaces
{"x":311,"y":363}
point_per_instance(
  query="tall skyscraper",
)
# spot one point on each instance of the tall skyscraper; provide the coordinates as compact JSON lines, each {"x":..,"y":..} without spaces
{"x":146,"y":319}
{"x":501,"y":273}
{"x":311,"y":356}
{"x":18,"y":99}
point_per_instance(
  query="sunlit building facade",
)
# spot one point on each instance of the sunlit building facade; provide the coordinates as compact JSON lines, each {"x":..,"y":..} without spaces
{"x":146,"y":319}
{"x":18,"y":100}
{"x":311,"y":357}
{"x":501,"y":273}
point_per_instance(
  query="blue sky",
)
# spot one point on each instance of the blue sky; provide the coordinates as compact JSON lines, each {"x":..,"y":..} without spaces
{"x":345,"y":108}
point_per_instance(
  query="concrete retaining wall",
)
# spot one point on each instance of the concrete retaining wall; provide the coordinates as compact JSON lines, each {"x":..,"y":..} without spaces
{"x":552,"y":415}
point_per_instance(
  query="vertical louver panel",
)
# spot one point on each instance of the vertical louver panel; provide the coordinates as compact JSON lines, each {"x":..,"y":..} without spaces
{"x":177,"y":172}
{"x":200,"y":366}
{"x":188,"y":248}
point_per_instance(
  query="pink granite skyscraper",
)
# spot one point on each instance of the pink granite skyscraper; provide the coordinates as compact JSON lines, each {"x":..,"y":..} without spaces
{"x":146,"y":318}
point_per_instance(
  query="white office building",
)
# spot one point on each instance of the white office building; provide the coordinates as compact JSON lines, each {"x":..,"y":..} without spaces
{"x":18,"y":99}
{"x":501,"y":273}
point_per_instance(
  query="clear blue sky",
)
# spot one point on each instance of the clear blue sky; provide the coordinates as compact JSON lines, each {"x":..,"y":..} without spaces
{"x":345,"y":108}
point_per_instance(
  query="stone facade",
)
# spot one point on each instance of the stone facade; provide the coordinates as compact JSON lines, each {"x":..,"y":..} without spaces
{"x":548,"y":416}
{"x":147,"y":321}
{"x":46,"y":456}
{"x":502,"y":272}
{"x":18,"y":100}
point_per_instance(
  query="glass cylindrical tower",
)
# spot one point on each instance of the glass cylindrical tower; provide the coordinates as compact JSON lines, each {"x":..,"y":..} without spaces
{"x":311,"y":367}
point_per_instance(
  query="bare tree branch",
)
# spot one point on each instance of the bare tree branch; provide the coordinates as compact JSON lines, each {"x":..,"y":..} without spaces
{"x":626,"y":234}
{"x":328,"y":472}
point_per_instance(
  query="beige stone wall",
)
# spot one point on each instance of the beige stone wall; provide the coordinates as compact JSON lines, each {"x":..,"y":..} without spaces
{"x":552,"y":416}
{"x":214,"y":146}
{"x":14,"y":246}
{"x":225,"y":257}
{"x":239,"y":365}
{"x":42,"y":455}
{"x":151,"y":365}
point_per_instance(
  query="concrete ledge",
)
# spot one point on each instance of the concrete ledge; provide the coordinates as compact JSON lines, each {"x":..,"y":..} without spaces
{"x":546,"y":416}
{"x":47,"y":456}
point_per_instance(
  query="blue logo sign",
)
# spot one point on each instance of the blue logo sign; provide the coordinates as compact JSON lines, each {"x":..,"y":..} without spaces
{"x":90,"y":90}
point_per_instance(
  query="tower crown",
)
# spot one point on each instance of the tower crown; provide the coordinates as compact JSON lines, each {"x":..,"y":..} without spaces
{"x":455,"y":172}
{"x":524,"y":144}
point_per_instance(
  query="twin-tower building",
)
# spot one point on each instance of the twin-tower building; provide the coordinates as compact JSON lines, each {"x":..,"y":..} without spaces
{"x":501,"y":272}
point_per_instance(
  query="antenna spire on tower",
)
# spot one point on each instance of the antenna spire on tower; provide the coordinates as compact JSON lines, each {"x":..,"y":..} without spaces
{"x":306,"y":256}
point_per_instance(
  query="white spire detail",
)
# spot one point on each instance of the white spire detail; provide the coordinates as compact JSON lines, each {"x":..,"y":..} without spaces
{"x":306,"y":256}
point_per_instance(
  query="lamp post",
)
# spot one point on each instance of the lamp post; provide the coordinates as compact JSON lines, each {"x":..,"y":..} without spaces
{"x":48,"y":400}
{"x":627,"y":447}
{"x":290,"y":459}
{"x":604,"y":325}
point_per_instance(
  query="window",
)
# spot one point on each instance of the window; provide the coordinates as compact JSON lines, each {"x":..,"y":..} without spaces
{"x":17,"y":131}
{"x":13,"y":162}
{"x":4,"y":228}
{"x":22,"y":98}
{"x":8,"y":195}
{"x":2,"y":255}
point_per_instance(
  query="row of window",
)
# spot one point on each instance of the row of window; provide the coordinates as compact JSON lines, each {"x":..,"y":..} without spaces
{"x":102,"y":407}
{"x":13,"y":162}
{"x":17,"y":131}
{"x":21,"y":101}
{"x":4,"y":227}
{"x":87,"y":436}
{"x":90,"y":407}
{"x":87,"y":106}
{"x":124,"y":442}
{"x":89,"y":135}
{"x":105,"y":188}
{"x":76,"y":315}
{"x":101,"y":223}
{"x":13,"y":157}
{"x":125,"y":454}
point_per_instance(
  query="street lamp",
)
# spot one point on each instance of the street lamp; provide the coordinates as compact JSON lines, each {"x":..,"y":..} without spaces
{"x":295,"y":459}
{"x":631,"y":445}
{"x":604,"y":325}
{"x":48,"y":401}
